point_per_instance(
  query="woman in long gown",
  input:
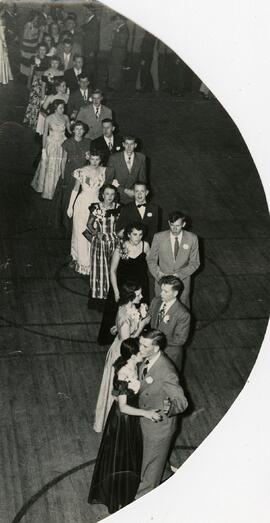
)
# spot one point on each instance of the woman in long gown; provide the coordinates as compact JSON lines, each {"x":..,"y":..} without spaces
{"x":130,"y":322}
{"x":74,"y":157}
{"x":49,"y":168}
{"x":116,"y":475}
{"x":38,"y":66}
{"x":103,"y":238}
{"x":5,"y":71}
{"x":89,"y":179}
{"x":129,"y":258}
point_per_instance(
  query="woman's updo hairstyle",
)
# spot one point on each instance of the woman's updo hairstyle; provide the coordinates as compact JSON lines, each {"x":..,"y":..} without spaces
{"x":135,"y":225}
{"x":128,"y":347}
{"x":128,"y":292}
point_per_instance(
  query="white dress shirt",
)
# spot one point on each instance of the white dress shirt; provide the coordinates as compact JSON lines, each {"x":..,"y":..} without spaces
{"x":167,"y":306}
{"x":97,"y":110}
{"x":141,"y":209}
{"x":129,"y":160}
{"x":84,"y":94}
{"x":66,"y":59}
{"x":152,"y":361}
{"x":109,"y":140}
{"x":173,"y":240}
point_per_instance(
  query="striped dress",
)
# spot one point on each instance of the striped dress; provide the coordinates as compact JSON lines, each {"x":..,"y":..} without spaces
{"x":28,"y":47}
{"x":102,"y":249}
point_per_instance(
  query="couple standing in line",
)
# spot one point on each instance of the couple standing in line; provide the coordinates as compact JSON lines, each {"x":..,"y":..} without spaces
{"x":141,"y":423}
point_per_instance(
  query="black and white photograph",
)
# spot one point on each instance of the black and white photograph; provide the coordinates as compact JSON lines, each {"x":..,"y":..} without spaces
{"x":134,"y":263}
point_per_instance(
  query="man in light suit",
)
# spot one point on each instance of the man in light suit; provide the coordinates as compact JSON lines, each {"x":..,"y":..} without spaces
{"x":109,"y":143}
{"x":171,"y":317}
{"x":174,"y":252}
{"x":66,"y":52}
{"x":127,"y":167}
{"x":93,"y":114}
{"x":139,"y":211}
{"x":160,"y":390}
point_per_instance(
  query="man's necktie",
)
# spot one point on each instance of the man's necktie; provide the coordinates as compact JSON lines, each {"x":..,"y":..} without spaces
{"x":161,"y":313}
{"x":85,"y":96}
{"x":145,"y":368}
{"x":97,"y":113}
{"x":176,"y":247}
{"x":129,"y":163}
{"x":110,"y":145}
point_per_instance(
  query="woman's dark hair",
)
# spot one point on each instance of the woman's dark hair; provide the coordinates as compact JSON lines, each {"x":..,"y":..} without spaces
{"x":56,"y":58}
{"x":56,"y":104}
{"x":58,"y":81}
{"x":102,"y":190}
{"x":128,"y":347}
{"x":128,"y":292}
{"x":95,"y":152}
{"x":134,"y":225}
{"x":79,"y":123}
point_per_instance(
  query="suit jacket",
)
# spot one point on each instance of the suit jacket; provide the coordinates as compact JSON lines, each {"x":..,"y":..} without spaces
{"x":130,"y":214}
{"x":99,"y":144}
{"x":161,"y":259}
{"x":90,"y":37}
{"x":161,"y":382}
{"x":176,"y":325}
{"x":87,"y":115}
{"x":76,"y":49}
{"x":76,"y":101}
{"x":71,"y":79}
{"x":125,"y":178}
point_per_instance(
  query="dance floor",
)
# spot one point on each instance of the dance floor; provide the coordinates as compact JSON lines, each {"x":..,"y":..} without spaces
{"x":51,"y":364}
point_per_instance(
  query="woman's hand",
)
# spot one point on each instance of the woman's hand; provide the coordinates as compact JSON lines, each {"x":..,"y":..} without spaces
{"x":153,"y":415}
{"x":116,"y":295}
{"x":70,"y":212}
{"x":145,"y":321}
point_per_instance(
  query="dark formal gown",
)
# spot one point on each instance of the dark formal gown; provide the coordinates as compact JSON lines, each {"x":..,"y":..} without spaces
{"x":116,"y":475}
{"x":129,"y":269}
{"x":75,"y":159}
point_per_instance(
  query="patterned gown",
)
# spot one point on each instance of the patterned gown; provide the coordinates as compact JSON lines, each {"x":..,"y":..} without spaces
{"x":116,"y":475}
{"x":34,"y":103}
{"x":102,"y":249}
{"x":91,"y":179}
{"x":126,"y":314}
{"x":49,"y":170}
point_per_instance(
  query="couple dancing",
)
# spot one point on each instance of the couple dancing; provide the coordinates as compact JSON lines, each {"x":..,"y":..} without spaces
{"x":143,"y":407}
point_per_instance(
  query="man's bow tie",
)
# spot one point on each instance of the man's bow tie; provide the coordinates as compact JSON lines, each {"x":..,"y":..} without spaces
{"x":141,"y":205}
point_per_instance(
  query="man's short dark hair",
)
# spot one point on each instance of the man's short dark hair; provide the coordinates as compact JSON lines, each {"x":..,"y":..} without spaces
{"x":129,"y":137}
{"x":67,"y":41}
{"x":83,"y":77}
{"x":157,"y":337}
{"x":176,"y":215}
{"x":107,"y":120}
{"x":140,"y":183}
{"x":97,"y":91}
{"x":175,"y":283}
{"x":77,"y":56}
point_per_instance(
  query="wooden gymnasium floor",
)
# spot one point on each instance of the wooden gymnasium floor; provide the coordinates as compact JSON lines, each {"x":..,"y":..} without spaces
{"x":50,"y":363}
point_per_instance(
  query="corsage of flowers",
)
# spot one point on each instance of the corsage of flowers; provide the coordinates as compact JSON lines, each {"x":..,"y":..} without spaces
{"x":126,"y":374}
{"x":185,"y":246}
{"x":166,"y":318}
{"x":143,"y":310}
{"x":149,"y":380}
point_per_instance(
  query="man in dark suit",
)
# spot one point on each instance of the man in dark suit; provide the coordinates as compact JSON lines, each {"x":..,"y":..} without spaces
{"x":174,"y":252}
{"x":109,"y":143}
{"x":160,"y":390}
{"x":90,"y":42}
{"x":92,"y":115}
{"x":118,"y":53}
{"x":72,"y":76}
{"x":79,"y":97}
{"x":127,"y":168}
{"x":139,"y":211}
{"x":171,"y":317}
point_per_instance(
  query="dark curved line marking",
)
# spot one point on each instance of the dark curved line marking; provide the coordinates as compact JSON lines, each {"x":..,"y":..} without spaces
{"x":31,"y":501}
{"x":228,"y":299}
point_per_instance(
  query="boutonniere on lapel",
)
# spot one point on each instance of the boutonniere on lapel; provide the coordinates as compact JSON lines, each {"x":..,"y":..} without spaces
{"x":166,"y":318}
{"x":118,"y":148}
{"x":149,"y":214}
{"x":149,"y":380}
{"x":185,"y":246}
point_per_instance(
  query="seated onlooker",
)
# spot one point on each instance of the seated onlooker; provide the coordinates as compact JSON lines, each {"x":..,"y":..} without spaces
{"x":109,"y":143}
{"x":92,"y":114}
